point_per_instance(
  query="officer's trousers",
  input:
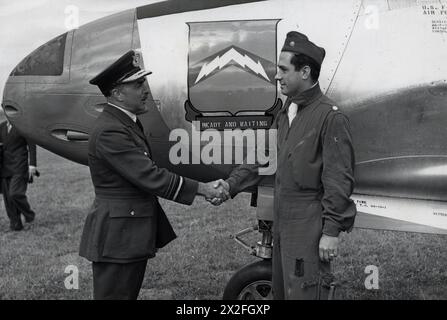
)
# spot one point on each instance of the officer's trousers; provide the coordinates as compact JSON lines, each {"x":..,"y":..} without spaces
{"x":298,"y":272}
{"x":117,"y":281}
{"x":16,"y":203}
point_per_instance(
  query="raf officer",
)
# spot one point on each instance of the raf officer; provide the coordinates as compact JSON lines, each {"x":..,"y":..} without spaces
{"x":126,"y":224}
{"x":314,"y":178}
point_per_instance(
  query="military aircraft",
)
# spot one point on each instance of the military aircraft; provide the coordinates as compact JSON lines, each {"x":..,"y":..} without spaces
{"x":213,"y":64}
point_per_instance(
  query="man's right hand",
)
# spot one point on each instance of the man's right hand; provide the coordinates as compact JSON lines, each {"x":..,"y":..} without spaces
{"x":213,"y":193}
{"x":223,"y":185}
{"x":328,"y":248}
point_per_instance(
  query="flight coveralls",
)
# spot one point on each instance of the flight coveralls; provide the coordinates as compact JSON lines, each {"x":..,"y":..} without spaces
{"x":313,"y":183}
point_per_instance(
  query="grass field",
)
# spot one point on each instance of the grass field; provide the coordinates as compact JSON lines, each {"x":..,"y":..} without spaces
{"x":198,"y":264}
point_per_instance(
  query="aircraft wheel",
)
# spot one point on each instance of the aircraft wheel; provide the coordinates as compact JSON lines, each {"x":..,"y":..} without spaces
{"x":252,"y":282}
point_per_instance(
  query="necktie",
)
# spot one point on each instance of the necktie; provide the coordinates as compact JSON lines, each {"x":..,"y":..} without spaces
{"x":293,"y":108}
{"x":9,"y":126}
{"x":138,"y":122}
{"x":140,"y":125}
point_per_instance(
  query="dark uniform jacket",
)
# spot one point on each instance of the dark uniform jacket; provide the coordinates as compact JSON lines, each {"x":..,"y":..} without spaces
{"x":315,"y":161}
{"x":127,"y":223}
{"x":15,"y":151}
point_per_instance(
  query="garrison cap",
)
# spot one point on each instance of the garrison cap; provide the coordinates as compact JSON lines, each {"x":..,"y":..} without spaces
{"x":299,"y":43}
{"x":124,"y":70}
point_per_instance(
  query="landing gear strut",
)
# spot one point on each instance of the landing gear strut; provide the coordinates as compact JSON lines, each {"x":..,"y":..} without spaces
{"x":254,"y":281}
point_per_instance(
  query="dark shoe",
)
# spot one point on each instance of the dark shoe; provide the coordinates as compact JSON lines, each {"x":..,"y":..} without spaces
{"x":29,"y":220}
{"x":16,"y":227}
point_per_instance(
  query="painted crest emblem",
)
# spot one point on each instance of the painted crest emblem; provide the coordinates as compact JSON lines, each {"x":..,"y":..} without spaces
{"x":231,"y":74}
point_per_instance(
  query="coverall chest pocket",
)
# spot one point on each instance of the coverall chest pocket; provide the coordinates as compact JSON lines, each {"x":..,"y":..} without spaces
{"x":301,"y":157}
{"x":131,"y":230}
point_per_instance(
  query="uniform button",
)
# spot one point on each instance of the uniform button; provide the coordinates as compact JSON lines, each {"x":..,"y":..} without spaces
{"x":145,"y":153}
{"x":132,"y":213}
{"x":335,"y":108}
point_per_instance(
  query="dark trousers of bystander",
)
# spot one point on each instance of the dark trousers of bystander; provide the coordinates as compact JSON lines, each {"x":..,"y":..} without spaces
{"x":16,"y":202}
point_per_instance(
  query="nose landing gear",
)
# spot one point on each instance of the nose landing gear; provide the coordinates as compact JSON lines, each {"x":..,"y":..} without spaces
{"x":253,"y":281}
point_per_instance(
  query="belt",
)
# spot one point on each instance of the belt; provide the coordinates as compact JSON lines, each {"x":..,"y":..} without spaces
{"x":114,"y":193}
{"x":296,"y":195}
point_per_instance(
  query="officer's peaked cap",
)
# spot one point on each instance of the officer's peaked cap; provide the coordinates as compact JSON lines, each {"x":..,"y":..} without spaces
{"x":299,"y":43}
{"x":124,"y":70}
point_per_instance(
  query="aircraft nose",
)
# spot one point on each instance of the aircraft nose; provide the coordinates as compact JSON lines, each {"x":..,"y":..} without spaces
{"x":24,"y":96}
{"x":13,"y":100}
{"x":43,"y":65}
{"x":40,"y":66}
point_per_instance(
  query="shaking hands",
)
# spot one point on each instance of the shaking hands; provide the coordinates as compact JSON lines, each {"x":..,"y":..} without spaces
{"x":215,"y":192}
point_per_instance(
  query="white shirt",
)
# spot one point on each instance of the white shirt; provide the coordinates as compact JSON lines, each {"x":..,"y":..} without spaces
{"x":293,"y":108}
{"x":130,"y":114}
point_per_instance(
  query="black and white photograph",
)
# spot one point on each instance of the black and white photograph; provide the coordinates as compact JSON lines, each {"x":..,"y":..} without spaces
{"x":223,"y":150}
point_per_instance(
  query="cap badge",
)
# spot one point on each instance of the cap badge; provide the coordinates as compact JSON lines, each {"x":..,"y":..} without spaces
{"x":136,"y":60}
{"x":292,"y":43}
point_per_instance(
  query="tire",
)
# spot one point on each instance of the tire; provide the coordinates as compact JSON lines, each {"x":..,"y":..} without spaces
{"x":252,"y":282}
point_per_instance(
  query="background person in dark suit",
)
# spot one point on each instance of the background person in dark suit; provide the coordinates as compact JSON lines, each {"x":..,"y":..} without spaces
{"x":126,"y":224}
{"x":16,"y":171}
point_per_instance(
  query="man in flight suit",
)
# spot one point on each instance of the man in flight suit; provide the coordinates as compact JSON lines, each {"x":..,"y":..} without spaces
{"x":126,"y":224}
{"x":314,"y":178}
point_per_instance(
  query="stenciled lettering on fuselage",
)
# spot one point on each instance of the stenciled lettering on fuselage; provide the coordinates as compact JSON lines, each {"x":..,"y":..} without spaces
{"x":231,"y":74}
